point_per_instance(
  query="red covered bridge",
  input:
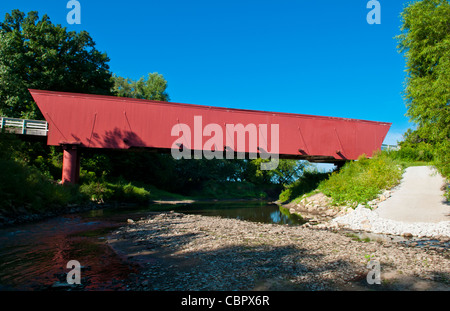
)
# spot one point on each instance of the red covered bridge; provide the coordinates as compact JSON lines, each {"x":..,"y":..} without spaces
{"x":93,"y":121}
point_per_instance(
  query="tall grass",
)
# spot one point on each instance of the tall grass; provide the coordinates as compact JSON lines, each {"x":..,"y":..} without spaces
{"x":363,"y":180}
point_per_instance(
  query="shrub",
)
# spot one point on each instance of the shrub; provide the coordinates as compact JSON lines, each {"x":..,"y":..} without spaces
{"x":96,"y":191}
{"x":129,"y":193}
{"x":101,"y":191}
{"x":413,"y":152}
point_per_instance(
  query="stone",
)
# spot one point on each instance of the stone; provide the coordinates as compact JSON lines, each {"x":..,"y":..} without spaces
{"x":366,"y":224}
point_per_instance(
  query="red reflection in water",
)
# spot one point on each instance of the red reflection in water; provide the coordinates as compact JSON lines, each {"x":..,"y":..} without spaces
{"x":34,"y":256}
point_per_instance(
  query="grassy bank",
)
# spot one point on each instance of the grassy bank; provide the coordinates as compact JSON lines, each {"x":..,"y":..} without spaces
{"x":357,"y":182}
{"x":361,"y":181}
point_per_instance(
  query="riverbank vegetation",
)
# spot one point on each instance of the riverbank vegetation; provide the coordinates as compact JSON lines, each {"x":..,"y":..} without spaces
{"x":357,"y":182}
{"x":363,"y":180}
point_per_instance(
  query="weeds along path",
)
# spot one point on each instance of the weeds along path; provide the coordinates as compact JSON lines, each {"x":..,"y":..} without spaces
{"x":418,"y":198}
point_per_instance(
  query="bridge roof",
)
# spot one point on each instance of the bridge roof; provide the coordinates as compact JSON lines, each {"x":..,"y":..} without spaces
{"x":96,"y":121}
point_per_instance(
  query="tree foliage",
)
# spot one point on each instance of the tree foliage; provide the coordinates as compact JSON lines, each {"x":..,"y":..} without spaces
{"x":35,"y":53}
{"x":154,"y":88}
{"x":425,"y":42}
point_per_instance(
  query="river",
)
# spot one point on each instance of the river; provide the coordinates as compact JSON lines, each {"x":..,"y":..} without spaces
{"x":34,"y":256}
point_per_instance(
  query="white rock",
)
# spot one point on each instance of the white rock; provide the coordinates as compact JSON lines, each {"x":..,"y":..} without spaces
{"x":364,"y":219}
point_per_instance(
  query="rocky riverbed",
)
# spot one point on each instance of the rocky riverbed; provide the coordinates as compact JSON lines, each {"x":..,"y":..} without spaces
{"x":193,"y":252}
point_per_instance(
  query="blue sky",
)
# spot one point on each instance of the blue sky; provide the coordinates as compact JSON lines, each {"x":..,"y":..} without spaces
{"x":298,"y":56}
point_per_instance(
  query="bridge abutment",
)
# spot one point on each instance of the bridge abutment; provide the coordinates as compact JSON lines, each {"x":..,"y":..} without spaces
{"x":71,"y":163}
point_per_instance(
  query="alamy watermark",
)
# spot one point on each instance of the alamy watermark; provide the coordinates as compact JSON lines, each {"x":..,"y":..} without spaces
{"x":222,"y":142}
{"x":374,"y":275}
{"x":74,"y":275}
{"x":74,"y":15}
{"x":374,"y":15}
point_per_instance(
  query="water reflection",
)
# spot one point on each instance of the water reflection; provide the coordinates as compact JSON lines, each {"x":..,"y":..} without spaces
{"x":250,"y":211}
{"x":34,"y":256}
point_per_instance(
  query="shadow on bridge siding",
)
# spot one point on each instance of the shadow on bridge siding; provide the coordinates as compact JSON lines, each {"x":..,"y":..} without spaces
{"x":114,"y":139}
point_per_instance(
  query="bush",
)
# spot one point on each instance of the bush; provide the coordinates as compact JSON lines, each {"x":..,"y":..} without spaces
{"x":413,"y":152}
{"x":442,"y":158}
{"x":96,"y":191}
{"x":130,"y":193}
{"x":101,"y":191}
{"x":361,"y":181}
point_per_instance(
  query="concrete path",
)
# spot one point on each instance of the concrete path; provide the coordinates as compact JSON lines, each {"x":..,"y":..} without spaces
{"x":418,"y":198}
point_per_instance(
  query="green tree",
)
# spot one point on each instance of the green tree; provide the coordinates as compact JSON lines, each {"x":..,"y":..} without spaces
{"x":253,"y":173}
{"x":425,"y":42}
{"x":35,"y":53}
{"x":284,"y":174}
{"x":289,"y":171}
{"x":154,"y":88}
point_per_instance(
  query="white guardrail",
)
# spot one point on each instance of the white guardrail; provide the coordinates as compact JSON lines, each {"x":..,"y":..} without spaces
{"x":390,"y":147}
{"x":24,"y":126}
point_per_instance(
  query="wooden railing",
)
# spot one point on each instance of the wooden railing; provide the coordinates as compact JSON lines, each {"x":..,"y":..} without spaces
{"x":23,"y":126}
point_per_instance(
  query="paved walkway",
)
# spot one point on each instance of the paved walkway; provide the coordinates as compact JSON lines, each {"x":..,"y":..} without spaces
{"x":418,"y":198}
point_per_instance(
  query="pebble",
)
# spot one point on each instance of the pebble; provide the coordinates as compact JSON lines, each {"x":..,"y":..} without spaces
{"x":365,"y":219}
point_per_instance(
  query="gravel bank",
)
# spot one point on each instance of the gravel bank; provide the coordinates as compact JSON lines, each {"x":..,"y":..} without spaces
{"x":369,"y":220}
{"x":192,"y":252}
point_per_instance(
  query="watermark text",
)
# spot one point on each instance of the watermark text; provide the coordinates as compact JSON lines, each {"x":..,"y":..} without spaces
{"x":229,"y":141}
